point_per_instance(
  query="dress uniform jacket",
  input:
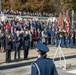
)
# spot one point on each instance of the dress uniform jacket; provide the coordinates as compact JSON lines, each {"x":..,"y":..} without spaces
{"x":71,"y":39}
{"x":43,"y":66}
{"x":75,"y":39}
{"x":62,"y":38}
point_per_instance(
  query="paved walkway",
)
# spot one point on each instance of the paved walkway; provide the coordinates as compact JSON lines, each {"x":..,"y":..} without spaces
{"x":23,"y":67}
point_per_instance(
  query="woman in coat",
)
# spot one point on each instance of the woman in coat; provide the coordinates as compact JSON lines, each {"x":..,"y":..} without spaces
{"x":8,"y":48}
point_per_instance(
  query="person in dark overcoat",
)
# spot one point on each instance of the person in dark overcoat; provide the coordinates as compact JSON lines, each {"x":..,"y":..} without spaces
{"x":43,"y":65}
{"x":17,"y":46}
{"x":8,"y":48}
{"x":26,"y":39}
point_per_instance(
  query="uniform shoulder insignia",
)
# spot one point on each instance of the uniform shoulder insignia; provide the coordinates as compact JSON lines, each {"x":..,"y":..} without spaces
{"x":33,"y":64}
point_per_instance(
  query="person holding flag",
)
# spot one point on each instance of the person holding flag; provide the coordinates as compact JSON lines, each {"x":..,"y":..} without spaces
{"x":61,"y":28}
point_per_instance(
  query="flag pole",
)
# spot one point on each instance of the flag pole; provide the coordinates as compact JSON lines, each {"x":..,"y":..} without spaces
{"x":0,"y":5}
{"x":72,"y":17}
{"x":72,"y":25}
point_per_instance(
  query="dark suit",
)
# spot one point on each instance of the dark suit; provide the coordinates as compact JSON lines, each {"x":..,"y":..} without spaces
{"x":8,"y":49}
{"x":26,"y":45}
{"x":17,"y":46}
{"x":43,"y":66}
{"x":13,"y":42}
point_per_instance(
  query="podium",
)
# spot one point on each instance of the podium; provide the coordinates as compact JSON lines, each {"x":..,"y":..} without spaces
{"x":60,"y":52}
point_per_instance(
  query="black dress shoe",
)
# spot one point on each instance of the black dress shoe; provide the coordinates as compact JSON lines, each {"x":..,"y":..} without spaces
{"x":7,"y":61}
{"x":16,"y":60}
{"x":25,"y":58}
{"x":19,"y":59}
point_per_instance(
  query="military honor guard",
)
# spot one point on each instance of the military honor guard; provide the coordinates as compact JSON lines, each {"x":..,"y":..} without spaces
{"x":57,"y":38}
{"x":71,"y":40}
{"x":61,"y":35}
{"x":66,"y":40}
{"x":75,"y":39}
{"x":43,"y":65}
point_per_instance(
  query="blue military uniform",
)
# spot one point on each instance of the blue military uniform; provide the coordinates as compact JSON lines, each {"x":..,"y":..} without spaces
{"x":75,"y":39}
{"x":71,"y":40}
{"x":66,"y":40}
{"x":56,"y":38}
{"x":43,"y":66}
{"x":62,"y":39}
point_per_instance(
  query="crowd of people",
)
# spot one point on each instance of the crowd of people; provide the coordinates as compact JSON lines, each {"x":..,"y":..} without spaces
{"x":24,"y":13}
{"x":18,"y":34}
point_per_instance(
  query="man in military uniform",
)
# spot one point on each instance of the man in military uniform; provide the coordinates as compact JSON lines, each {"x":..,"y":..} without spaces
{"x":66,"y":40}
{"x":61,"y":35}
{"x":57,"y":38}
{"x":43,"y":65}
{"x":71,"y":39}
{"x":75,"y":39}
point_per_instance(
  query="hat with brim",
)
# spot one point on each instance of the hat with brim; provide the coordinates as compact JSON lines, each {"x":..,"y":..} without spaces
{"x":42,"y":47}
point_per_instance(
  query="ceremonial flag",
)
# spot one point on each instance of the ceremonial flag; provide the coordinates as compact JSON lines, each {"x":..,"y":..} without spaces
{"x":68,"y":29}
{"x":72,"y":17}
{"x":67,"y":21}
{"x":60,"y":19}
{"x":67,"y":16}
